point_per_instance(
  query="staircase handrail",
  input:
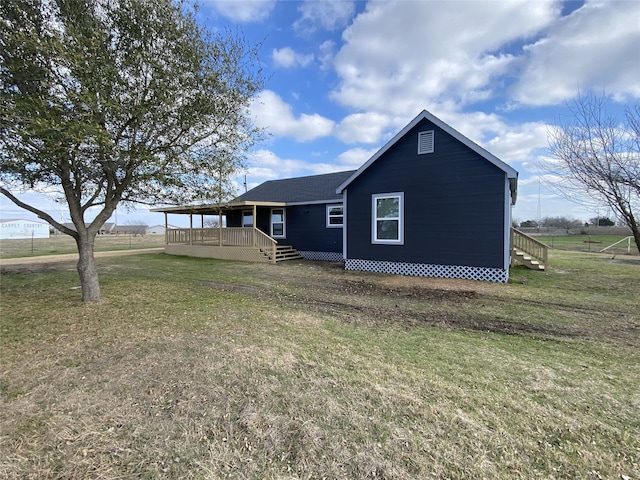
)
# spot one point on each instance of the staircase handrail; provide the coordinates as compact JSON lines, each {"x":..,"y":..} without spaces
{"x":530,"y":245}
{"x":266,"y":243}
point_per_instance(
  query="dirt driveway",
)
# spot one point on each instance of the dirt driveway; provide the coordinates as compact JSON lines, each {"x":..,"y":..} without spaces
{"x":59,"y":262}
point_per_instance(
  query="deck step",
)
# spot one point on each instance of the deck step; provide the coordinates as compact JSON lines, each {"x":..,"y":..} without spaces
{"x":284,"y":252}
{"x":527,"y":260}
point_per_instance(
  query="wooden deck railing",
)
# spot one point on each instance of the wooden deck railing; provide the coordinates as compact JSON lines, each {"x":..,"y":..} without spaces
{"x":266,"y":244}
{"x":231,"y":237}
{"x":523,"y":242}
{"x":193,"y":236}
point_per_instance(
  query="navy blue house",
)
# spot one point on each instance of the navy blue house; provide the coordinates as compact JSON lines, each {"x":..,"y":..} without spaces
{"x":429,"y":203}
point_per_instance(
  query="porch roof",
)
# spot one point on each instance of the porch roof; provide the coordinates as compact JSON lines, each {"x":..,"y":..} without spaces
{"x":215,"y":208}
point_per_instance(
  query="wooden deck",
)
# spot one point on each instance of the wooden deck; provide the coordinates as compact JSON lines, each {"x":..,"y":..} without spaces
{"x":245,"y":244}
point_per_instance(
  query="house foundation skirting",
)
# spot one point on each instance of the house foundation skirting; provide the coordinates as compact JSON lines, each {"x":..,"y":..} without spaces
{"x":429,"y":270}
{"x":247,"y":254}
{"x":321,"y":256}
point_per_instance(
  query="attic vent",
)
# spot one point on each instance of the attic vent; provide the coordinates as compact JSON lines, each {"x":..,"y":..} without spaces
{"x":425,"y":142}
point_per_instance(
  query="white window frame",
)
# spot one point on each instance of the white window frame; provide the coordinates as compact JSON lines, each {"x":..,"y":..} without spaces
{"x":426,"y":142}
{"x":399,"y":219}
{"x":284,"y":223}
{"x":330,"y":216}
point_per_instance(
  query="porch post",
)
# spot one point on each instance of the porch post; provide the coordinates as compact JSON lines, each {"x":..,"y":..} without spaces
{"x":166,"y":229}
{"x":255,"y":219}
{"x":511,"y":259}
{"x":191,"y":229}
{"x":220,"y":227}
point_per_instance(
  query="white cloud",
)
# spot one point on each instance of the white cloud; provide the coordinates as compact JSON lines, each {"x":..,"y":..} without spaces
{"x":245,"y":11}
{"x":266,"y":165}
{"x":397,"y":72}
{"x":518,"y":143}
{"x":288,"y":58}
{"x":326,"y":49}
{"x":325,"y":15}
{"x":362,"y":128}
{"x":277,"y":117}
{"x":354,"y":158}
{"x":594,"y":47}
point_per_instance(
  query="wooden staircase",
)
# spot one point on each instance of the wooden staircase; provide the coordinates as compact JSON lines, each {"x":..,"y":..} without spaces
{"x":528,"y":251}
{"x":526,"y":260}
{"x":286,"y":252}
{"x":283,"y":252}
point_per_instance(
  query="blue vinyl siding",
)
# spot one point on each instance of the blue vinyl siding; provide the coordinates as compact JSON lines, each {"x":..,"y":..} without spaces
{"x":307,"y":229}
{"x":453,"y":204}
{"x":234,"y":218}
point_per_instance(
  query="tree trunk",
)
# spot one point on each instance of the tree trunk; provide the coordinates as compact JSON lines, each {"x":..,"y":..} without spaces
{"x":630,"y":220}
{"x":636,"y":235}
{"x":87,"y":270}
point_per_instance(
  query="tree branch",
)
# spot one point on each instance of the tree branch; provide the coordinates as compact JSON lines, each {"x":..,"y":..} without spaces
{"x":43,"y":215}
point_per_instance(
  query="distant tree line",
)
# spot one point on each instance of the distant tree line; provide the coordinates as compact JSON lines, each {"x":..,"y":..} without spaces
{"x":565,"y":223}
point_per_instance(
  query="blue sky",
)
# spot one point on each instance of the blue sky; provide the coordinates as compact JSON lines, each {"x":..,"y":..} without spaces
{"x":344,"y":77}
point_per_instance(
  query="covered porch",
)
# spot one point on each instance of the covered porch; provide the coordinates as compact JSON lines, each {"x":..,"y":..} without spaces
{"x":233,"y":231}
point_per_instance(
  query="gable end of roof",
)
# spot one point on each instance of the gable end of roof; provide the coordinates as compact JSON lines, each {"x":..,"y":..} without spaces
{"x":511,"y":173}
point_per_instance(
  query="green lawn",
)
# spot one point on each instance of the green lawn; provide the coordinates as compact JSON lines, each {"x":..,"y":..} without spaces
{"x":194,"y":368}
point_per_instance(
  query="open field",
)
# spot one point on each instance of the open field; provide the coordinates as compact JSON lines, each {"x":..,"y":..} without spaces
{"x":590,"y":243}
{"x":205,"y":369}
{"x":64,"y":244}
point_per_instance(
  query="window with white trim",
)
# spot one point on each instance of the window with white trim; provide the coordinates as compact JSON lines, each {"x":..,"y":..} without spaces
{"x":425,"y":142}
{"x":277,"y":223}
{"x":388,"y":218}
{"x":335,"y":216}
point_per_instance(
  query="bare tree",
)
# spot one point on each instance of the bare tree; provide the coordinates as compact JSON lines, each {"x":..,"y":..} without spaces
{"x":595,"y":158}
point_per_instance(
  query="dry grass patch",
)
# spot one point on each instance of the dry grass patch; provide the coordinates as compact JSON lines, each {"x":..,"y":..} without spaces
{"x":63,"y":244}
{"x":203,"y":369}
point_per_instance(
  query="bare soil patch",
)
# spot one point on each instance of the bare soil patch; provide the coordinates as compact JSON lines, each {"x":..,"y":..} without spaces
{"x":403,"y":301}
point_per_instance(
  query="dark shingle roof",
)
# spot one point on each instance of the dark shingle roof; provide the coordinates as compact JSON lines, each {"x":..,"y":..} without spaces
{"x":298,"y":190}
